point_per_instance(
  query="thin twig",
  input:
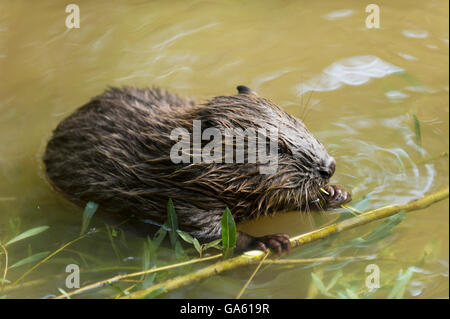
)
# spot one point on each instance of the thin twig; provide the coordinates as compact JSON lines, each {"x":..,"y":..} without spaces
{"x":251,"y":277}
{"x":56,"y":252}
{"x":42,"y":281}
{"x":47,"y":258}
{"x":117,"y":278}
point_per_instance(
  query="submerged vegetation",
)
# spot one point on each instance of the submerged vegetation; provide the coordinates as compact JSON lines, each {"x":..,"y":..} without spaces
{"x":164,"y":270}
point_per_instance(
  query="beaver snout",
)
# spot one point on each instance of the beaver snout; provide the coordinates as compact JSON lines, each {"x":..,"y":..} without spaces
{"x":327,"y":168}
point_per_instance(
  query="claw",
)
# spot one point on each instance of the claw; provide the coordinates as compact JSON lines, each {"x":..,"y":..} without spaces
{"x":337,"y":196}
{"x":276,"y":242}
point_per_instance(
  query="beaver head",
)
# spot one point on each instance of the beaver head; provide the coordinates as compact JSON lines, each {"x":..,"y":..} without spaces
{"x":303,"y":166}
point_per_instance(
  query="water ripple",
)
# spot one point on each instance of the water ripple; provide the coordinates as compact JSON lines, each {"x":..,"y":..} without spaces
{"x":383,"y":169}
{"x":182,"y":34}
{"x":418,"y":34}
{"x":353,"y":71}
{"x":338,"y":14}
{"x":407,"y":56}
{"x":395,"y":94}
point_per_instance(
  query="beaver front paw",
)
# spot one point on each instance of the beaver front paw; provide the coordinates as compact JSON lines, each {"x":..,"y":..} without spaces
{"x":276,"y":242}
{"x":336,"y":196}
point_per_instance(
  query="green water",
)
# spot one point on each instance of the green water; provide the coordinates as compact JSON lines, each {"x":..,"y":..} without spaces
{"x":367,"y":85}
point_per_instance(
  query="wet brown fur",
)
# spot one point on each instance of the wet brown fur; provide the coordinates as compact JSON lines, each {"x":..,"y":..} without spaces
{"x":115,"y":151}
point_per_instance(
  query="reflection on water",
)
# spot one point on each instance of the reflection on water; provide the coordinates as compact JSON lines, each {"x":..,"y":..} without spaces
{"x":338,"y":14}
{"x":420,"y":34}
{"x":351,"y":71}
{"x":357,"y":89}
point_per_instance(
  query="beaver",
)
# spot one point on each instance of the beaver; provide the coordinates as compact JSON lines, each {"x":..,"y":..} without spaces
{"x":115,"y":151}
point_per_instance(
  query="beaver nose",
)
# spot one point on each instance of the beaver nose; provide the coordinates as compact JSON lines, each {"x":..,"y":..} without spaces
{"x":328,"y":167}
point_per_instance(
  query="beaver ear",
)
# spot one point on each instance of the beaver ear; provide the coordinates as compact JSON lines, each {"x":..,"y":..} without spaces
{"x":242,"y":89}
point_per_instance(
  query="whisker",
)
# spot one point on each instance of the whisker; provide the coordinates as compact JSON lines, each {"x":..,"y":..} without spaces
{"x":307,"y":111}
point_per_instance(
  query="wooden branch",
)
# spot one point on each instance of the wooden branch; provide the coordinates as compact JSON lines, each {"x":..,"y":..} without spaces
{"x":118,"y":278}
{"x":255,"y":256}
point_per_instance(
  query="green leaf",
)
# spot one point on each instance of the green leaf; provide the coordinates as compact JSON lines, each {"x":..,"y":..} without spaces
{"x":172,"y":222}
{"x":186,"y":237}
{"x":109,"y":232}
{"x":28,"y":233}
{"x":314,"y":250}
{"x":228,"y":230}
{"x":334,"y":280}
{"x":228,"y":233}
{"x":89,"y":211}
{"x":399,"y":288}
{"x":214,"y":243}
{"x":147,"y":254}
{"x":64,"y":293}
{"x":148,"y":279}
{"x":197,"y":246}
{"x":381,"y":231}
{"x":30,"y":259}
{"x":148,"y":261}
{"x":179,"y":251}
{"x":319,"y":285}
{"x":160,"y":235}
{"x":417,"y":130}
{"x":363,"y":203}
{"x":384,"y":229}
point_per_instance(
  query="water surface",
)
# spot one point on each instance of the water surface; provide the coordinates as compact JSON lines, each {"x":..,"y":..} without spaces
{"x":357,"y":89}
